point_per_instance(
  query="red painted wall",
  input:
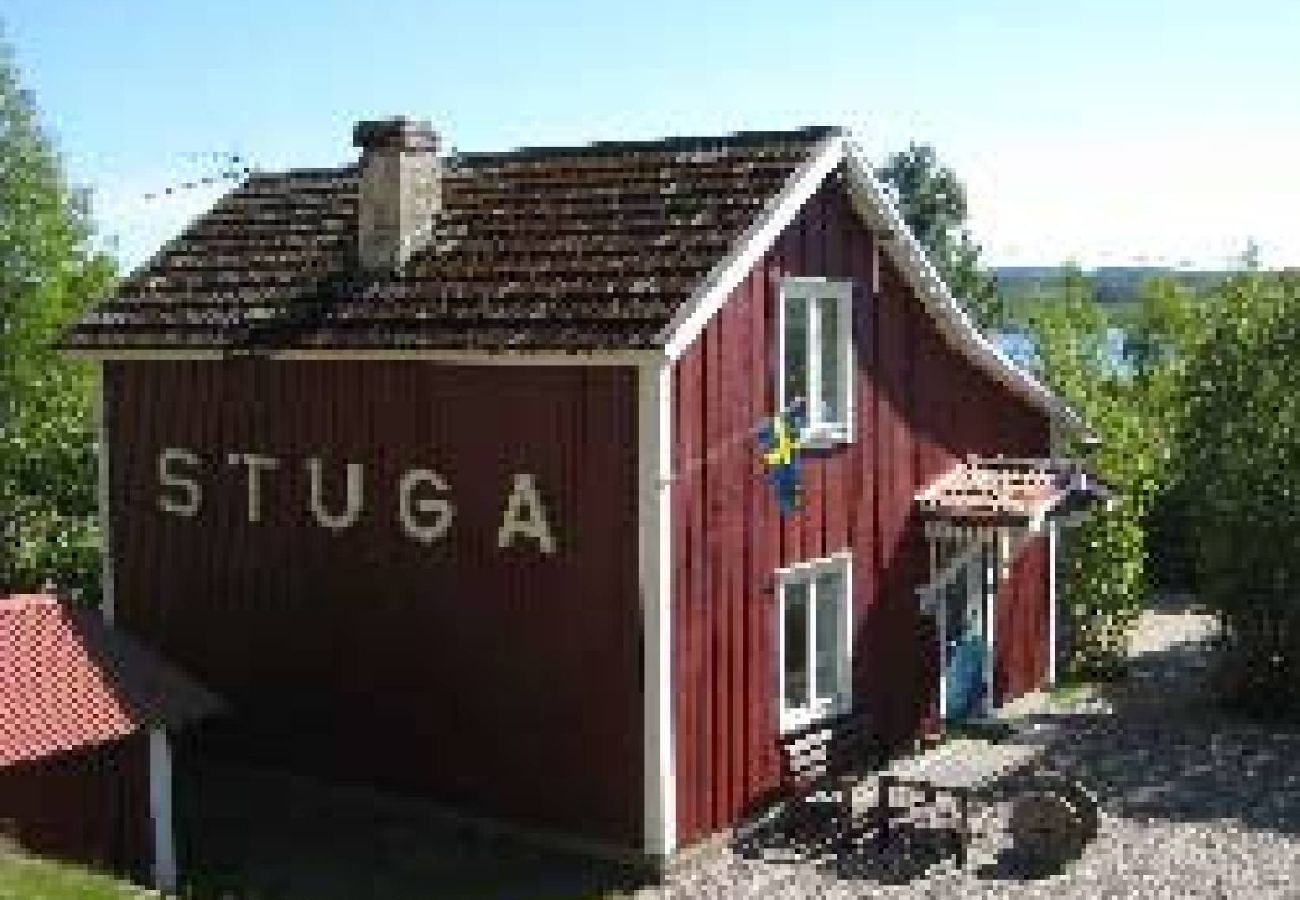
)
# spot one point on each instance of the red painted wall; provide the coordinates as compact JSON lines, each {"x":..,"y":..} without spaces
{"x":1020,"y":632}
{"x":89,"y":806}
{"x":501,"y":681}
{"x":919,"y":408}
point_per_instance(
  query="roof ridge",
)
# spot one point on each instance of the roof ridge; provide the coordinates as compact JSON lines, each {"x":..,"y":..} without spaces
{"x":671,"y":143}
{"x":807,"y":133}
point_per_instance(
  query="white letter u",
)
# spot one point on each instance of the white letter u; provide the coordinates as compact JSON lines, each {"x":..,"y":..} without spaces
{"x":356,"y":474}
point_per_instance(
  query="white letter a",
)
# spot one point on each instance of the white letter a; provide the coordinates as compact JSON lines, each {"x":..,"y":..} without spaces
{"x":525,"y":516}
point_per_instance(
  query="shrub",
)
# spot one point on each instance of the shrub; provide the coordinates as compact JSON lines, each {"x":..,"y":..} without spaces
{"x":1241,"y":450}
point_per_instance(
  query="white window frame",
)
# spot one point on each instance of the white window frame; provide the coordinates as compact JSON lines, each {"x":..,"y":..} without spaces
{"x":816,"y":432}
{"x":806,"y":573}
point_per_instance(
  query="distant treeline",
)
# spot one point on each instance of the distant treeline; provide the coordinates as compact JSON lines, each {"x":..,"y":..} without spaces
{"x":1112,"y":285}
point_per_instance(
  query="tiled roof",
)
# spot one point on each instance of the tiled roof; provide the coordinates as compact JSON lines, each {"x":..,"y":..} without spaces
{"x":560,"y":249}
{"x":68,"y":680}
{"x":1008,"y":491}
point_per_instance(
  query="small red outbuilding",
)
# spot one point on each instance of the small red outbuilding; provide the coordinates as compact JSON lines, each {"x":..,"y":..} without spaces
{"x":85,"y":764}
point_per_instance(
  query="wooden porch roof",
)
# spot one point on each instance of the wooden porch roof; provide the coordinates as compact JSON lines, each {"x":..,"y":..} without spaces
{"x":992,"y":492}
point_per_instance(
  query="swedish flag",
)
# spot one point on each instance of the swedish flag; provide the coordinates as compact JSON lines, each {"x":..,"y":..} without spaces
{"x":779,"y":440}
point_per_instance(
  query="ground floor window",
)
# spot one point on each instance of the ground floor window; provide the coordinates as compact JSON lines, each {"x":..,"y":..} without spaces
{"x":814,"y":624}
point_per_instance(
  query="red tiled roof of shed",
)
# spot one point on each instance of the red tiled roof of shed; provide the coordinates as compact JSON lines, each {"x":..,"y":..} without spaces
{"x":587,"y":248}
{"x":69,"y":680}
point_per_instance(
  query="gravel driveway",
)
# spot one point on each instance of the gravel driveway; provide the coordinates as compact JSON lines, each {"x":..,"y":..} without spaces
{"x":1193,"y":805}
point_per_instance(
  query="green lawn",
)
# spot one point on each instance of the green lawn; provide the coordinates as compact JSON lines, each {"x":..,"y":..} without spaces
{"x":24,"y":878}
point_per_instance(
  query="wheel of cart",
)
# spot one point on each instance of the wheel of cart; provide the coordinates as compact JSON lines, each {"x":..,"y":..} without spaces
{"x":1052,"y":820}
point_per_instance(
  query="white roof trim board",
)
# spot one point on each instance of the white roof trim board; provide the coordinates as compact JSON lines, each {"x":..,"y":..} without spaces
{"x":749,"y":248}
{"x":876,"y":207}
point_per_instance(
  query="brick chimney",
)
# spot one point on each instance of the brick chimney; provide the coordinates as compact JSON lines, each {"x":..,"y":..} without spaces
{"x":400,"y":190}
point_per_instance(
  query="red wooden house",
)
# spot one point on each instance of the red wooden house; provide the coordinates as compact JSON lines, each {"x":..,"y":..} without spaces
{"x":85,"y":750}
{"x":442,"y":469}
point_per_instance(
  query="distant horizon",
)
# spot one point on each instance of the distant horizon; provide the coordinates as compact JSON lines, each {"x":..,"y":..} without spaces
{"x":1116,"y":134}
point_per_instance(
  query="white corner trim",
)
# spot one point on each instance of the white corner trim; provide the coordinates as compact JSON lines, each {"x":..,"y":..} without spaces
{"x":942,"y":626}
{"x":107,"y":606}
{"x":731,"y":270}
{"x":654,"y":463}
{"x":160,"y":810}
{"x":951,"y":317}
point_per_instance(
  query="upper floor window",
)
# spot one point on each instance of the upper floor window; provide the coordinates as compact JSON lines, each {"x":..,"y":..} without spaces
{"x":816,"y":356}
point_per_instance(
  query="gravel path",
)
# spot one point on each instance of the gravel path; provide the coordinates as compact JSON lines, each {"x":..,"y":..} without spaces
{"x":1193,"y":805}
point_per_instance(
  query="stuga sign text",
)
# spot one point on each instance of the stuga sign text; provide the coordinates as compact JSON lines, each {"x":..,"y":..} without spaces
{"x":425,"y":511}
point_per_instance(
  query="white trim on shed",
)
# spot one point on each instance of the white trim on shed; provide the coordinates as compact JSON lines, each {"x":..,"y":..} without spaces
{"x":165,"y":874}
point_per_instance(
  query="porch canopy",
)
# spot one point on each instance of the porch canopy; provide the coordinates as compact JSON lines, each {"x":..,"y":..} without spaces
{"x":998,"y":503}
{"x":998,"y":493}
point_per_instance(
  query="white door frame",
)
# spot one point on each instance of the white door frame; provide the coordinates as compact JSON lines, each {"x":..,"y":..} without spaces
{"x":980,"y":575}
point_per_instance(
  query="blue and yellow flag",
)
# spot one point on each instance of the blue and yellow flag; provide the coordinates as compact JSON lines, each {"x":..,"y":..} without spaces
{"x":779,"y":440}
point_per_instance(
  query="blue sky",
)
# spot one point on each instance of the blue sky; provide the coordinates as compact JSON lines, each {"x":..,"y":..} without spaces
{"x":1105,"y":132}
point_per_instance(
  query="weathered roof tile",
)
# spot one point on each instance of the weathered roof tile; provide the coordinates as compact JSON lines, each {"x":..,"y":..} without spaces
{"x":580,"y":248}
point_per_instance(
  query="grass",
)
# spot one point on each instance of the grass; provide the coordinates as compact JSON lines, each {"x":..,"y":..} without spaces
{"x":27,"y":878}
{"x":1071,"y":690}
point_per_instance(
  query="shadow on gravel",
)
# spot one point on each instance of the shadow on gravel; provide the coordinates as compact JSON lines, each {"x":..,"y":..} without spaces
{"x":1169,"y":752}
{"x":1165,"y":751}
{"x":852,"y":852}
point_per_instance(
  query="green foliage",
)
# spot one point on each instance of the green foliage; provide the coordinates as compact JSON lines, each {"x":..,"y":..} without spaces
{"x":48,"y":274}
{"x":1241,"y":453}
{"x":1130,"y":404}
{"x":932,"y":202}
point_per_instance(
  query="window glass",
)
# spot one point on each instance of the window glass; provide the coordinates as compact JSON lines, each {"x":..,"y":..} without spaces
{"x":831,"y":406}
{"x":796,"y":645}
{"x":829,"y":618}
{"x":796,"y":349}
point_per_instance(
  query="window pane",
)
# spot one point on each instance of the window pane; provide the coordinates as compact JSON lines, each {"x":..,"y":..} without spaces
{"x":796,"y":646}
{"x":830,"y":634}
{"x":796,"y":349}
{"x":831,"y":409}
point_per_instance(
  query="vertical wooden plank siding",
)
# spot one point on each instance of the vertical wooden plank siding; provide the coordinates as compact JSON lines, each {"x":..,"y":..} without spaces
{"x":88,"y":805}
{"x":500,"y":680}
{"x":919,"y":407}
{"x":1020,"y":665}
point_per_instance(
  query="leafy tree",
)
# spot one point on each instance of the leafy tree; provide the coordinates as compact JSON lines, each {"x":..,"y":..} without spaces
{"x":1132,"y":405}
{"x":932,"y":201}
{"x":48,"y":274}
{"x":1241,"y":451}
{"x":1161,"y":336}
{"x":1104,"y":583}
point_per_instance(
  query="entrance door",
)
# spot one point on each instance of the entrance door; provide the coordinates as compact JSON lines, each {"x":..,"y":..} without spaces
{"x":965,"y":652}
